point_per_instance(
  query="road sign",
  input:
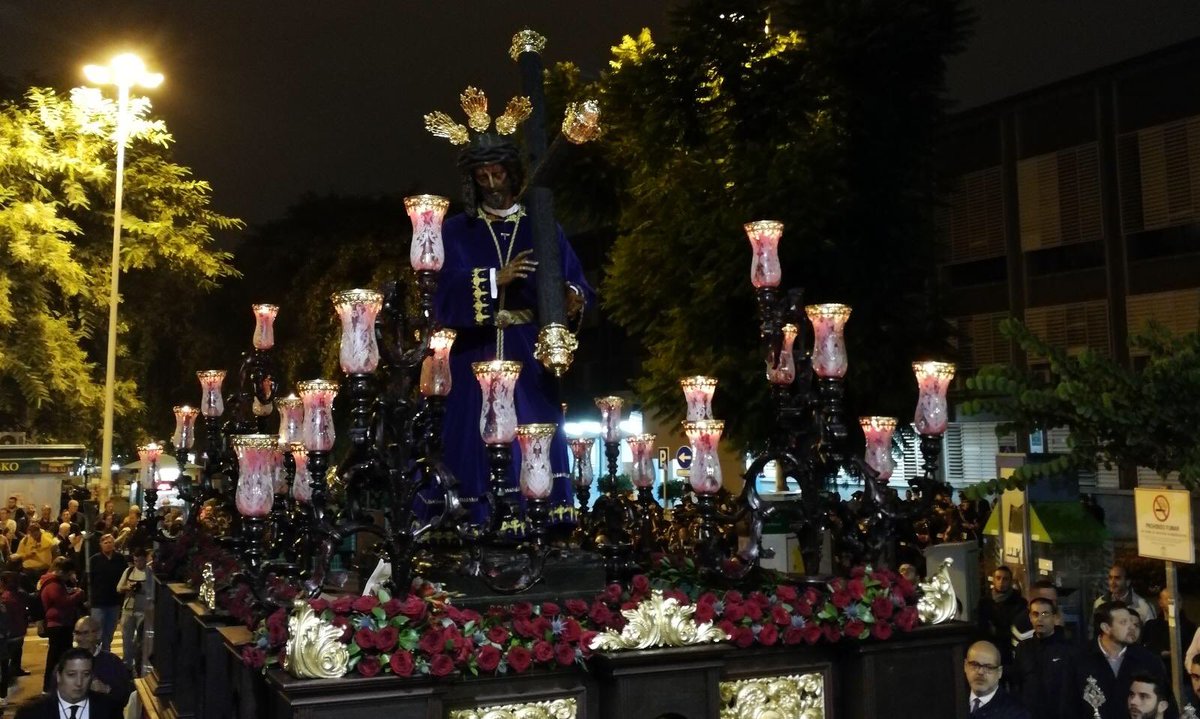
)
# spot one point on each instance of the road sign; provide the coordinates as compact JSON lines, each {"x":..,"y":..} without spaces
{"x":663,"y":454}
{"x":684,"y":457}
{"x":1164,"y":524}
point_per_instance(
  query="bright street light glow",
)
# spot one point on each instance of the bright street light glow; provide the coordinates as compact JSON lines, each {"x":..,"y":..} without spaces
{"x":125,"y":70}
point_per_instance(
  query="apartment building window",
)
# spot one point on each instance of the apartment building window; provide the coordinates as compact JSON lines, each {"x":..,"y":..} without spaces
{"x":1074,"y":327}
{"x":1159,"y":176}
{"x":970,"y":218}
{"x":1058,"y":198}
{"x":1177,"y":311}
{"x":980,"y":341}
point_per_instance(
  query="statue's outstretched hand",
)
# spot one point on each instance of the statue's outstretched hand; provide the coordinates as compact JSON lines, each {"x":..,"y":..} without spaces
{"x":518,"y":268}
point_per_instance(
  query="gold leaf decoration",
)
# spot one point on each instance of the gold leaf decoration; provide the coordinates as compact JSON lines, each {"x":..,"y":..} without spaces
{"x":658,"y":622}
{"x":475,"y":104}
{"x":937,"y":602}
{"x":518,"y":110}
{"x":208,"y":586}
{"x":314,"y":647}
{"x":784,"y":697}
{"x":526,"y":41}
{"x":582,"y":122}
{"x":555,"y":347}
{"x":555,"y":709}
{"x":439,"y":124}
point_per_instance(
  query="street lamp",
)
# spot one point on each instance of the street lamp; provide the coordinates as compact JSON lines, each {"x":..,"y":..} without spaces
{"x":124,"y":71}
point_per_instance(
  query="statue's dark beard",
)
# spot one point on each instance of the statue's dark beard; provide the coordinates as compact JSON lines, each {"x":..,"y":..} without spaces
{"x":496,"y":198}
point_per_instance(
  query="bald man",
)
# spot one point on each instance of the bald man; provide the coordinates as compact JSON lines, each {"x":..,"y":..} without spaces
{"x":110,"y":676}
{"x":988,"y":699}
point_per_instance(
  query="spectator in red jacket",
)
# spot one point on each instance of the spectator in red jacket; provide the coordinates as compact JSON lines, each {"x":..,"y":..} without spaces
{"x":17,"y":623}
{"x":61,"y":600}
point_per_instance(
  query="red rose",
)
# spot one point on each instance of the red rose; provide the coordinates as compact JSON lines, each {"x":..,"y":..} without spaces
{"x":753,"y":611}
{"x":402,"y":664}
{"x":792,"y":635}
{"x":884,"y":578}
{"x":734,"y":612}
{"x":524,"y":628}
{"x":600,"y":615}
{"x":803,"y":609}
{"x":366,"y":603}
{"x":318,"y":605}
{"x":707,"y":598}
{"x":488,"y":658}
{"x":253,"y":657}
{"x":454,"y":614}
{"x":780,"y":616}
{"x":550,"y":609}
{"x":564,"y":653}
{"x":519,"y":658}
{"x":678,"y":595}
{"x":463,"y":649}
{"x":522,"y":610}
{"x":811,"y":596}
{"x":543,"y":651}
{"x":841,"y":599}
{"x":626,"y":606}
{"x":733,"y":596}
{"x":577,"y":607}
{"x":855,"y":628}
{"x":811,"y":632}
{"x":431,"y":641}
{"x":276,"y":634}
{"x":365,"y":638}
{"x":413,"y":607}
{"x":881,"y":630}
{"x":386,"y":638}
{"x":768,"y":635}
{"x":441,"y":665}
{"x":786,"y":593}
{"x":571,"y":631}
{"x":640,"y":584}
{"x":882,"y":608}
{"x":857,"y":588}
{"x":342,"y":605}
{"x":727,"y":627}
{"x":585,"y":642}
{"x":907,"y":619}
{"x":391,"y":607}
{"x":858,"y":571}
{"x":762,"y":600}
{"x":838,"y":584}
{"x":497,"y":634}
{"x":832,"y":632}
{"x":369,"y":665}
{"x":704,"y":613}
{"x":343,"y":624}
{"x":612,"y":593}
{"x":743,"y":637}
{"x":470,"y":615}
{"x":541,"y":627}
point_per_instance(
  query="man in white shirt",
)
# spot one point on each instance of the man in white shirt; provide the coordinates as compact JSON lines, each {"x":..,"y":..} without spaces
{"x":1119,"y":590}
{"x":71,"y":698}
{"x":988,"y":700}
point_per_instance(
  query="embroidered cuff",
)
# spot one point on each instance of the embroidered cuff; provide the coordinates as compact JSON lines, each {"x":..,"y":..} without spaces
{"x":481,"y":290}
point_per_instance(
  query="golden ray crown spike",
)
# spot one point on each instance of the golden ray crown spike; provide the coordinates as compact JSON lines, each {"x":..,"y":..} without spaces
{"x":475,"y":104}
{"x":518,"y":110}
{"x":439,"y":124}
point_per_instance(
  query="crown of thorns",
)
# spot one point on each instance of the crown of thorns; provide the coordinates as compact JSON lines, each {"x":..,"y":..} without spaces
{"x":475,"y":105}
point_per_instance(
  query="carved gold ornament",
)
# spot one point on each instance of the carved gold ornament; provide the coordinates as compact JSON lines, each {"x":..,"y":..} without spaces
{"x":556,"y":709}
{"x":555,"y":348}
{"x":581,"y":122}
{"x":475,"y":104}
{"x":787,"y":697}
{"x":526,"y":41}
{"x":314,"y":648}
{"x":208,"y":586}
{"x":517,"y":111}
{"x":938,"y":602}
{"x":658,"y":622}
{"x":1093,"y":696}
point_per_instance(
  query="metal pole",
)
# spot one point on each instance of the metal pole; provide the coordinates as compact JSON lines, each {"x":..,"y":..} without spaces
{"x":1177,"y":673}
{"x":113,"y":299}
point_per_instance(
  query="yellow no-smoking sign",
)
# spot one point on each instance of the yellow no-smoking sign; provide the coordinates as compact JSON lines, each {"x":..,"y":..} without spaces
{"x":1164,"y":524}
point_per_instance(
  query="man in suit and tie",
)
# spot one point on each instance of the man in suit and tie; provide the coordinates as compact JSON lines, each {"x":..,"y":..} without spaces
{"x":1112,"y":660}
{"x":988,"y":699}
{"x":71,"y":698}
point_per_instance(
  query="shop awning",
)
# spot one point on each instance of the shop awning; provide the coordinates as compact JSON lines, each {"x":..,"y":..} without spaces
{"x":1056,"y":523}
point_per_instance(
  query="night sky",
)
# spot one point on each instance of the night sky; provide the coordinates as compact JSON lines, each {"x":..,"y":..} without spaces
{"x":268,"y":100}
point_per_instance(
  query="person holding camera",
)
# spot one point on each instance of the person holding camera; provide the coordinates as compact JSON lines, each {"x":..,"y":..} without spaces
{"x":136,"y":587}
{"x":61,"y":599}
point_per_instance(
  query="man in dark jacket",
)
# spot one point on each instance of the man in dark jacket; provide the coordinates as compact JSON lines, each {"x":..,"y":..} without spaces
{"x":73,"y":674}
{"x":998,"y":609}
{"x":1112,"y":660}
{"x":107,"y":568}
{"x":1043,"y":670}
{"x":988,"y":699}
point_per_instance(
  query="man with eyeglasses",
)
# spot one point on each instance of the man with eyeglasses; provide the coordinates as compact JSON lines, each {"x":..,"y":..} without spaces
{"x":988,"y":699}
{"x":109,"y":676}
{"x":1112,"y":660}
{"x":1043,"y":671}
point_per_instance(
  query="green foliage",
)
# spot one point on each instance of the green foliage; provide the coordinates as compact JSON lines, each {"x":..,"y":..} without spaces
{"x":57,"y":167}
{"x":1145,"y":417}
{"x":820,"y":114}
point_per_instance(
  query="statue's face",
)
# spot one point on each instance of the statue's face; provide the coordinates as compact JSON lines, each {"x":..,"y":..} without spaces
{"x":495,"y":188}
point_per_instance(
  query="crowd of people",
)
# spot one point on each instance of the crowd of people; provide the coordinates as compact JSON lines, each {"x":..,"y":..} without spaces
{"x":1028,"y":665}
{"x":76,"y":579}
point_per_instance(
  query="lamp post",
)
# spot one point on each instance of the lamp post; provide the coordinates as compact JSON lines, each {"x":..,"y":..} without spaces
{"x":124,"y":71}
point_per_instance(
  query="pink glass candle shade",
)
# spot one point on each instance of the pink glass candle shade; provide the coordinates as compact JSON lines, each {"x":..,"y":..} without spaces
{"x":280,"y":480}
{"x":426,"y":213}
{"x":317,"y":396}
{"x":933,"y":380}
{"x":498,"y":415}
{"x":264,"y":326}
{"x":359,"y":352}
{"x":185,"y":428}
{"x":764,"y":244}
{"x":610,"y":416}
{"x":783,"y":372}
{"x":291,"y":419}
{"x":256,"y":473}
{"x":301,"y":483}
{"x":878,"y":433}
{"x":641,"y":446}
{"x":211,"y":402}
{"x":704,"y":435}
{"x":829,"y":359}
{"x":435,"y":368}
{"x":148,"y":454}
{"x":698,"y":393}
{"x":581,"y":450}
{"x":537,"y":478}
